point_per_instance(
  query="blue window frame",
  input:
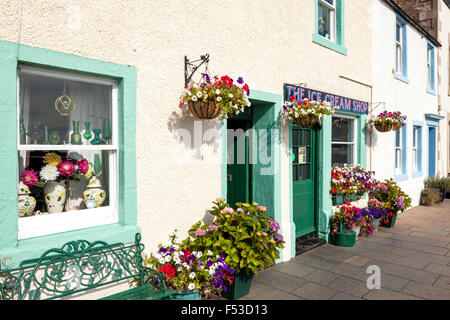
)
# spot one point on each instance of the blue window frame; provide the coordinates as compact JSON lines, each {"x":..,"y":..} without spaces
{"x":401,"y":50}
{"x":431,"y":86}
{"x":329,"y":25}
{"x":417,"y":150}
{"x":400,"y":154}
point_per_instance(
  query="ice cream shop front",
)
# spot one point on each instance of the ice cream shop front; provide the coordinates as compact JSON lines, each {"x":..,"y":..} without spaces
{"x":337,"y":139}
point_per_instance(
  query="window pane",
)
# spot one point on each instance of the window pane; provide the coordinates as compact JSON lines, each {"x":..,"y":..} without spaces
{"x":398,"y":33}
{"x":398,"y":158}
{"x":398,"y":60}
{"x":414,"y":137}
{"x":88,"y":187}
{"x":295,"y":137}
{"x":341,"y":154}
{"x":398,"y":138}
{"x":305,"y":172}
{"x":329,"y":1}
{"x":305,"y":138}
{"x":342,"y":129}
{"x":295,"y":172}
{"x":58,"y":111}
{"x":295,"y":152}
{"x":415,"y":160}
{"x":325,"y":21}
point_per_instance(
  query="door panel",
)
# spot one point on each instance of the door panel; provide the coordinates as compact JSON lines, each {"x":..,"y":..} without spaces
{"x":239,"y":187}
{"x":304,"y":180}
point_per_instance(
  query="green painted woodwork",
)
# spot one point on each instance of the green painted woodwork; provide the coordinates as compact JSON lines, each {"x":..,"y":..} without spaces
{"x":239,"y":174}
{"x":79,"y":266}
{"x":13,"y":54}
{"x":304,"y":180}
{"x":339,"y":44}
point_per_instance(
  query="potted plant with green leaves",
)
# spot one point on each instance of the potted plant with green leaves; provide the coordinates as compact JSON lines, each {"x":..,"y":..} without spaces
{"x":393,"y":198}
{"x":439,"y":183}
{"x":430,"y":196}
{"x":247,"y":236}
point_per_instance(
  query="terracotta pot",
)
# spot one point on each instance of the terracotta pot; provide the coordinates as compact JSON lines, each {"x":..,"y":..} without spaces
{"x":204,"y":110}
{"x":306,"y":122}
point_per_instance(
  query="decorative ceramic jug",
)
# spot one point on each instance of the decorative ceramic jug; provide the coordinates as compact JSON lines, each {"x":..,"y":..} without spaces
{"x":75,"y":137}
{"x":55,"y":196}
{"x":26,"y":203}
{"x":94,"y":195}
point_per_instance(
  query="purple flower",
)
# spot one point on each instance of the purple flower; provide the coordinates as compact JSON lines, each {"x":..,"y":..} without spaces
{"x":274,"y":226}
{"x":383,"y":187}
{"x":207,"y":78}
{"x":240,"y":80}
{"x":278,"y":237}
{"x":200,"y":233}
{"x":212,"y":227}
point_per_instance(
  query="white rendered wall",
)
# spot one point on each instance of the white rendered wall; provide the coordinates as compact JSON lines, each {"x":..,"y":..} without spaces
{"x":411,"y":99}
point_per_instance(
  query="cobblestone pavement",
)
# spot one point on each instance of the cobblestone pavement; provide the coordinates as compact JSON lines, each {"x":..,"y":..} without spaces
{"x":414,"y":259}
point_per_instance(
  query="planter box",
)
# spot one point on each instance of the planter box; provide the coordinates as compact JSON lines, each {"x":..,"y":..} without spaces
{"x":187,"y":295}
{"x":391,"y":221}
{"x":337,"y":199}
{"x":240,"y":287}
{"x":345,"y":239}
{"x":376,"y":223}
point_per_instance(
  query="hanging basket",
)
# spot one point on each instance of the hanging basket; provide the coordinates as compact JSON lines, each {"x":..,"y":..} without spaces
{"x":383,"y":127}
{"x":306,"y":122}
{"x":204,"y":110}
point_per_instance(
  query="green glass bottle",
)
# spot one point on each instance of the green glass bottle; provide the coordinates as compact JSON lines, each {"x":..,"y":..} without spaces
{"x":87,"y":134}
{"x":107,"y":134}
{"x":75,"y":137}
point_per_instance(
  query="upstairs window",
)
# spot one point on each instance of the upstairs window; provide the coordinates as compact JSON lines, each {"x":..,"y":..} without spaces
{"x":398,"y":151}
{"x":329,"y":29}
{"x":401,"y":47}
{"x":430,"y":69}
{"x":327,"y":19}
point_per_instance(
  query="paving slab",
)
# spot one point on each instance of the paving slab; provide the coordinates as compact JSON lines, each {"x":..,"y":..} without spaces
{"x":279,"y":280}
{"x":386,"y":294}
{"x":350,"y":286}
{"x":314,"y":291}
{"x":426,"y":291}
{"x":322,"y":277}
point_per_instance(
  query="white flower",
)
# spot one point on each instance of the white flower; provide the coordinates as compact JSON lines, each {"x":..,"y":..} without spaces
{"x":181,"y":253}
{"x":231,"y":95}
{"x":191,"y":286}
{"x":217,"y":91}
{"x":167,"y":258}
{"x":209,"y":253}
{"x":158,"y":256}
{"x":192,"y":275}
{"x":162,"y":261}
{"x":199,"y":254}
{"x":194,"y":98}
{"x":219,"y":99}
{"x":199,"y":94}
{"x":179,"y":269}
{"x":49,"y":173}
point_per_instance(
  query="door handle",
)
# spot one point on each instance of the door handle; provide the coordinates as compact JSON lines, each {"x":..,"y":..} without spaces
{"x":229,"y":177}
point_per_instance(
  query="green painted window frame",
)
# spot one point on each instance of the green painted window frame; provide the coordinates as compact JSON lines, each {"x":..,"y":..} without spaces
{"x":11,"y":56}
{"x":339,"y":44}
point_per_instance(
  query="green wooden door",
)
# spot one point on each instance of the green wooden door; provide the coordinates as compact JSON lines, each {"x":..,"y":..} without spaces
{"x":239,"y":177}
{"x":304,"y":180}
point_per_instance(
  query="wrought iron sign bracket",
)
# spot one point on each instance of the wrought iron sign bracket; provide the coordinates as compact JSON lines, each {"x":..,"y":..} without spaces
{"x":190,"y":67}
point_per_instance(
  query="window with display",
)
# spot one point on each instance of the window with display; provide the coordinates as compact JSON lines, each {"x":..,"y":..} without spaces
{"x":343,"y":143}
{"x":67,"y":151}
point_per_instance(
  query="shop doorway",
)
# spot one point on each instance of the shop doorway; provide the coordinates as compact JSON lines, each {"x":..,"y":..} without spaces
{"x":304,"y":180}
{"x":239,"y":166}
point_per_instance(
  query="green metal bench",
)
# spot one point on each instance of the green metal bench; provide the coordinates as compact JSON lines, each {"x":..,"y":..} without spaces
{"x":80,"y":266}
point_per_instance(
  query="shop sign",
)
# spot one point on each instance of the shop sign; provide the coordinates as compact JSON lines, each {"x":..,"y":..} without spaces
{"x":339,"y":102}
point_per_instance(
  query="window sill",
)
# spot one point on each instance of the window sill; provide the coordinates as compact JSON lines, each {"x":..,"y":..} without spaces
{"x":401,"y":177}
{"x":417,"y":174}
{"x":35,"y":247}
{"x":431,"y":91}
{"x":401,"y":77}
{"x":329,"y":44}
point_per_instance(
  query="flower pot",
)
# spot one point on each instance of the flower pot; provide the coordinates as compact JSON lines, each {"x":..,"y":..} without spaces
{"x":345,"y":239}
{"x":391,"y":221}
{"x":240,"y":286}
{"x":347,"y":198}
{"x":306,"y":122}
{"x":186,"y":295}
{"x":356,"y":230}
{"x":337,"y":199}
{"x":376,"y":223}
{"x":204,"y":110}
{"x":383,"y":127}
{"x":55,"y":196}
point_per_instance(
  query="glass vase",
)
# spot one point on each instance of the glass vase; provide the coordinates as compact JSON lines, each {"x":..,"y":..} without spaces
{"x":107,"y":134}
{"x":75,"y":137}
{"x":87,"y":133}
{"x":97,"y":139}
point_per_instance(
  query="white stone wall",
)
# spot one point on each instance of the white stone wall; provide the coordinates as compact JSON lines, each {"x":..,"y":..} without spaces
{"x":444,"y":87}
{"x":411,"y":99}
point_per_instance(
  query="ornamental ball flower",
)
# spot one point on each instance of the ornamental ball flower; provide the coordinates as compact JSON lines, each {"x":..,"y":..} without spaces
{"x":83,"y":166}
{"x":274,"y":226}
{"x":49,"y":173}
{"x":66,"y":168}
{"x":200,"y":233}
{"x":29,"y":177}
{"x":52,"y":159}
